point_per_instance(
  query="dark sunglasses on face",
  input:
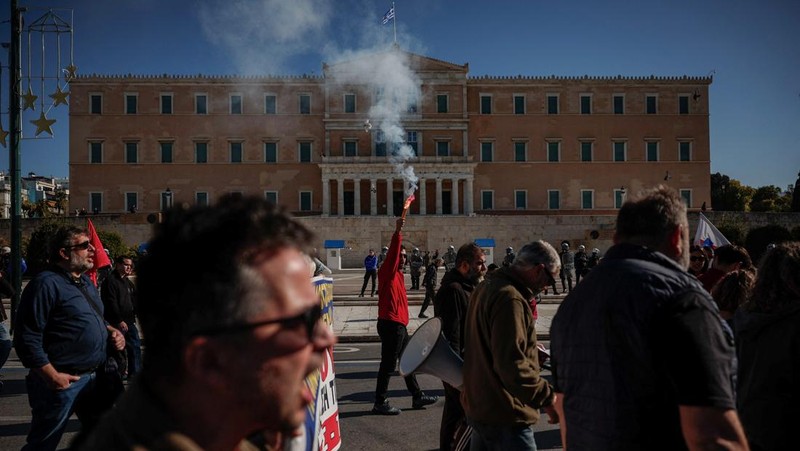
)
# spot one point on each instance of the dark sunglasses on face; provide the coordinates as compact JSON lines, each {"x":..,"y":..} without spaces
{"x":309,"y":319}
{"x":80,"y":246}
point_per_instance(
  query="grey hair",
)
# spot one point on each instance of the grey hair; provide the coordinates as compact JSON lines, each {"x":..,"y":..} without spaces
{"x":538,"y":253}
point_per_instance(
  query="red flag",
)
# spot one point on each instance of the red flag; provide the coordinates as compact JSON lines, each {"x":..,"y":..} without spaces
{"x":100,"y":257}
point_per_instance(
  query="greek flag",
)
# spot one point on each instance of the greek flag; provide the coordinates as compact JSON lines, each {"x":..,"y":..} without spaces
{"x":388,"y":16}
{"x":707,"y":235}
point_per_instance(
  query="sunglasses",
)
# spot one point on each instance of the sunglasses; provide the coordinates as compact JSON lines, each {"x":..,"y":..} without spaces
{"x":309,"y":319}
{"x":697,"y":259}
{"x":80,"y":246}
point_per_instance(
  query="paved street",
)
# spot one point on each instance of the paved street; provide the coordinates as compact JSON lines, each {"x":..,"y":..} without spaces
{"x":357,"y":358}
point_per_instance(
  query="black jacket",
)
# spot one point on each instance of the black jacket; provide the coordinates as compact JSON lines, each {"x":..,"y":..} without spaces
{"x":450,"y":305}
{"x":118,"y":294}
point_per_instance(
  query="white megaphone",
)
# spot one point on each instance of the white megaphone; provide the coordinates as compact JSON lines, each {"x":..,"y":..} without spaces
{"x":428,"y":352}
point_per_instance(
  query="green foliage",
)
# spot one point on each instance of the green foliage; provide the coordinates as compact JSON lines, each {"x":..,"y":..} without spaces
{"x":113,"y":242}
{"x":36,"y":251}
{"x":767,"y":198}
{"x":760,"y":237}
{"x":733,"y":229}
{"x":729,"y":194}
{"x":796,"y":233}
{"x":796,"y":195}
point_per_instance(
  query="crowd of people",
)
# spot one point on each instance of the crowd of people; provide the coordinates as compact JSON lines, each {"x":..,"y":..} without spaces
{"x":658,"y":345}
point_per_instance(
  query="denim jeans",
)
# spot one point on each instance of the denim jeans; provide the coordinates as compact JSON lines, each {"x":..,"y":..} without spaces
{"x":5,"y":344}
{"x":501,"y":438}
{"x":133,"y":349}
{"x":51,"y":409}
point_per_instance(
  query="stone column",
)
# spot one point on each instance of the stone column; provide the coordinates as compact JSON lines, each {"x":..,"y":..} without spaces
{"x":438,"y":196}
{"x":326,"y":196}
{"x":373,"y":197}
{"x":389,"y":196}
{"x":340,"y":196}
{"x":454,"y":197}
{"x":468,"y":210}
{"x":422,"y":199}
{"x":357,"y":197}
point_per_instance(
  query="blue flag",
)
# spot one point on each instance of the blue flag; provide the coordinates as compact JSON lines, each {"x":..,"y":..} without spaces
{"x":388,"y":16}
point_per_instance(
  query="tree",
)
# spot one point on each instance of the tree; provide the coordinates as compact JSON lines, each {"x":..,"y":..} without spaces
{"x":767,"y":198}
{"x":796,"y":194}
{"x":760,"y":237}
{"x":729,"y":194}
{"x":61,"y":199}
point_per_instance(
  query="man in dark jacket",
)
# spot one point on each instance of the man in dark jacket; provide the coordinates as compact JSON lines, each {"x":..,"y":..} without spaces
{"x":119,"y":299}
{"x":640,"y":356}
{"x":450,"y":305}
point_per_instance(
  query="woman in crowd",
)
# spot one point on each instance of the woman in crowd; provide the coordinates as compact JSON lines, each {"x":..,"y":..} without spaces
{"x":768,"y":349}
{"x":698,"y":263}
{"x":732,"y":291}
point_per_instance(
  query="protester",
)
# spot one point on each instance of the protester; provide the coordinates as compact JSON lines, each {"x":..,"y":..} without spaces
{"x":451,"y":307}
{"x":429,"y":282}
{"x":6,"y":290}
{"x":503,"y":389}
{"x":392,"y":323}
{"x":727,"y":258}
{"x":698,"y":263}
{"x":119,"y":299}
{"x":640,"y":356}
{"x":370,"y":272}
{"x":768,"y":342}
{"x":732,"y":291}
{"x":61,"y":337}
{"x":228,"y":345}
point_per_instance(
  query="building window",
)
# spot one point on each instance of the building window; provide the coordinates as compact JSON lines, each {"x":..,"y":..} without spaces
{"x":520,"y":151}
{"x":519,"y":104}
{"x":553,"y":199}
{"x":380,"y":144}
{"x":166,"y":152}
{"x":96,"y":104}
{"x":487,"y":151}
{"x":553,"y":151}
{"x":166,"y":199}
{"x":236,"y":104}
{"x":487,"y":200}
{"x":131,"y":103}
{"x":349,"y":103}
{"x":552,"y":104}
{"x":95,"y":202}
{"x":304,"y":152}
{"x":652,"y":150}
{"x":686,"y":195}
{"x":412,"y":99}
{"x":95,"y":152}
{"x":166,"y":103}
{"x":270,"y":104}
{"x":270,"y":152}
{"x":201,"y":152}
{"x":442,"y":148}
{"x":131,"y":202}
{"x":412,"y":141}
{"x":236,"y":152}
{"x":587,"y":199}
{"x":305,"y":200}
{"x":685,"y":151}
{"x":486,"y":104}
{"x":201,"y":198}
{"x":200,"y":104}
{"x":586,"y":104}
{"x":586,"y":150}
{"x":441,"y":103}
{"x":619,"y":150}
{"x":651,"y":102}
{"x":683,"y":104}
{"x":521,"y":199}
{"x":305,"y":103}
{"x":271,"y":196}
{"x":619,"y":198}
{"x":350,"y":148}
{"x":619,"y":104}
{"x":132,"y":153}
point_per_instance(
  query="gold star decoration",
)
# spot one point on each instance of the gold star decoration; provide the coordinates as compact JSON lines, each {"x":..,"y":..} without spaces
{"x":59,"y":97}
{"x":71,"y":69}
{"x":3,"y":135}
{"x":43,"y":124}
{"x":29,"y":100}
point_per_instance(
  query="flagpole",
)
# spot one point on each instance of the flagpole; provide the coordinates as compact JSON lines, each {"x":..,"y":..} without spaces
{"x":394,"y":23}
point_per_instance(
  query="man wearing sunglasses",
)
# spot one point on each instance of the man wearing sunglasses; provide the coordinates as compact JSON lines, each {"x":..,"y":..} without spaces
{"x":62,"y":337}
{"x":228,"y":345}
{"x":503,"y":390}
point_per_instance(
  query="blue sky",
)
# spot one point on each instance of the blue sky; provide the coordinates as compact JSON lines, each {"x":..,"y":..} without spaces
{"x":751,"y":47}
